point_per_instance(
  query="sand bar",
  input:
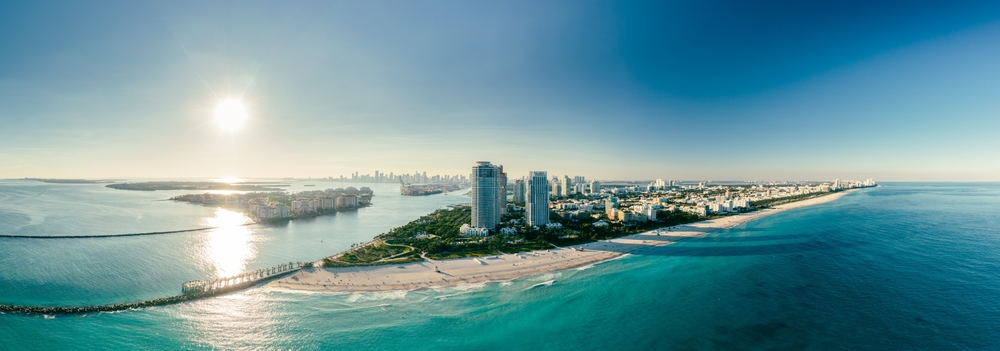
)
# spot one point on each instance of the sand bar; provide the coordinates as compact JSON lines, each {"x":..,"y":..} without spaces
{"x":454,"y":272}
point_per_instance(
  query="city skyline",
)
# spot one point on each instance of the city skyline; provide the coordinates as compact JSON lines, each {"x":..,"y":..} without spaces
{"x":898,"y":91}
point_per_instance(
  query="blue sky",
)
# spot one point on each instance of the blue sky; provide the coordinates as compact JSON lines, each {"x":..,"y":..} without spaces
{"x":609,"y":90}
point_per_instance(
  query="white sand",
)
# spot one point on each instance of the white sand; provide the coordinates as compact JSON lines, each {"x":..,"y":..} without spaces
{"x":455,"y":272}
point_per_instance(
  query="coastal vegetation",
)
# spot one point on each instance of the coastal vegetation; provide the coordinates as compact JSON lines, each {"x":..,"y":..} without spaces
{"x":784,"y":200}
{"x":375,"y":253}
{"x":437,"y":234}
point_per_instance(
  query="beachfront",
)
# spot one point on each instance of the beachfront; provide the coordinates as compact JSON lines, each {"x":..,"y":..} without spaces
{"x":430,"y":273}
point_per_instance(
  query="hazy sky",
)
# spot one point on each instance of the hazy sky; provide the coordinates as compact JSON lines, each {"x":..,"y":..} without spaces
{"x":610,"y":90}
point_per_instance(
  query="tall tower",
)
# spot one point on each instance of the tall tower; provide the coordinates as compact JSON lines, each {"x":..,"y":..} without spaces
{"x":536,"y":206}
{"x":595,"y":187}
{"x":566,"y":187}
{"x":485,"y":195}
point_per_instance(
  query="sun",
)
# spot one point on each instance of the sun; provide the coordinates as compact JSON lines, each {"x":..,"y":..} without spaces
{"x":230,"y":115}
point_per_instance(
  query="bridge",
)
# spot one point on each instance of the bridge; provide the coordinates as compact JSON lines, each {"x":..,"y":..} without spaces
{"x":245,"y":279}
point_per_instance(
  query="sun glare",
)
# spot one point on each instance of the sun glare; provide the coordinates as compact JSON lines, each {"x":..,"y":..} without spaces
{"x":230,"y":115}
{"x":229,"y":180}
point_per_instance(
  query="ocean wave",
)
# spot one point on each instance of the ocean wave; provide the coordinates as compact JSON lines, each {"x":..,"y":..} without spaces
{"x":545,"y":283}
{"x":374,"y":296}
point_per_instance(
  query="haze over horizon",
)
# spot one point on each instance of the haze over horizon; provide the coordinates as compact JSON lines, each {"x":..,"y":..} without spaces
{"x":898,"y":91}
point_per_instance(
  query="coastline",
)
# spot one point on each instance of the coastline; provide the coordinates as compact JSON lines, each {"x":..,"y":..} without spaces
{"x":462,"y":271}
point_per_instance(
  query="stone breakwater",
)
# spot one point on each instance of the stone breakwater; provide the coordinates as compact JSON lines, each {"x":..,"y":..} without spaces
{"x":101,"y":308}
{"x":109,"y":235}
{"x":140,"y":304}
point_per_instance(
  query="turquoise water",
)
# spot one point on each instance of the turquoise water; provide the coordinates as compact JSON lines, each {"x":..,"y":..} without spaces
{"x":904,"y":266}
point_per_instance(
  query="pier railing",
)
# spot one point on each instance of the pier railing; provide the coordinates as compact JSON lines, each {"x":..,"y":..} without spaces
{"x":246,"y":278}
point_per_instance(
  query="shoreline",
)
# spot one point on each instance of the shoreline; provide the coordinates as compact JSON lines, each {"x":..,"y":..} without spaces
{"x":474,"y":270}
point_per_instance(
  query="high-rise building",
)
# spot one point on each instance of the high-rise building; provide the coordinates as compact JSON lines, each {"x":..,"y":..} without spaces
{"x":485,"y":195}
{"x":518,"y":190}
{"x":595,"y":187}
{"x":536,"y":206}
{"x":566,"y":186}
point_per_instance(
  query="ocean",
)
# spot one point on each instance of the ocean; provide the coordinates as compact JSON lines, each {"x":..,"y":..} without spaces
{"x":904,"y":266}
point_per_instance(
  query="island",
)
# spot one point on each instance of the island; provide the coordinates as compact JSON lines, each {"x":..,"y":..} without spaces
{"x":279,"y":205}
{"x":201,"y":186}
{"x":71,"y":181}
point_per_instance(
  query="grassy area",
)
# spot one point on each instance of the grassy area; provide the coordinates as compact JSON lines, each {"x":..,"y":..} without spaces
{"x":374,"y":254}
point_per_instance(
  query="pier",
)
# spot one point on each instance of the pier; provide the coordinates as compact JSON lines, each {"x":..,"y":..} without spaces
{"x":245,"y":279}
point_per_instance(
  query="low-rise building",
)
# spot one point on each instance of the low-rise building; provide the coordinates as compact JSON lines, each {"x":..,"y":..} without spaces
{"x":468,"y":230}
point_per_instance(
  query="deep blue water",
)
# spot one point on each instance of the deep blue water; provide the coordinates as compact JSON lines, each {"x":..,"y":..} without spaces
{"x":904,"y":266}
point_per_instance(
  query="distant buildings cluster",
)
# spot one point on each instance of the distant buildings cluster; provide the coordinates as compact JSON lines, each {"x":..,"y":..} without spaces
{"x":625,"y":202}
{"x":415,"y":178}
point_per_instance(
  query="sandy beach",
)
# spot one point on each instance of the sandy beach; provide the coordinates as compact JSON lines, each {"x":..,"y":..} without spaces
{"x":430,"y":273}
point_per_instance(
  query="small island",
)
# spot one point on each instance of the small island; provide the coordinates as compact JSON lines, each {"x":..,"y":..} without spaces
{"x":71,"y":181}
{"x":201,"y":186}
{"x":279,"y":205}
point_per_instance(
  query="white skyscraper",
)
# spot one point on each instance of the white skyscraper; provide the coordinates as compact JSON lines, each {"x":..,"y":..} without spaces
{"x":536,"y":206}
{"x":486,"y":195}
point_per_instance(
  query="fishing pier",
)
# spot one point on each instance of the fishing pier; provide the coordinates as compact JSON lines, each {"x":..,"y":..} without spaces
{"x":246,"y":279}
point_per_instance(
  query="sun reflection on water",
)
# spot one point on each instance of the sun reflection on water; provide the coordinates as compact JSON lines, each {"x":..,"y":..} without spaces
{"x":230,"y":246}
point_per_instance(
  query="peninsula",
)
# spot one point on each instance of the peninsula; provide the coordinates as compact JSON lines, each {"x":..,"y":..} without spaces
{"x":400,"y":266}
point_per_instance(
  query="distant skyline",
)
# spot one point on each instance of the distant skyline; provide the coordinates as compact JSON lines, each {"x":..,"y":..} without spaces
{"x":722,"y":90}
